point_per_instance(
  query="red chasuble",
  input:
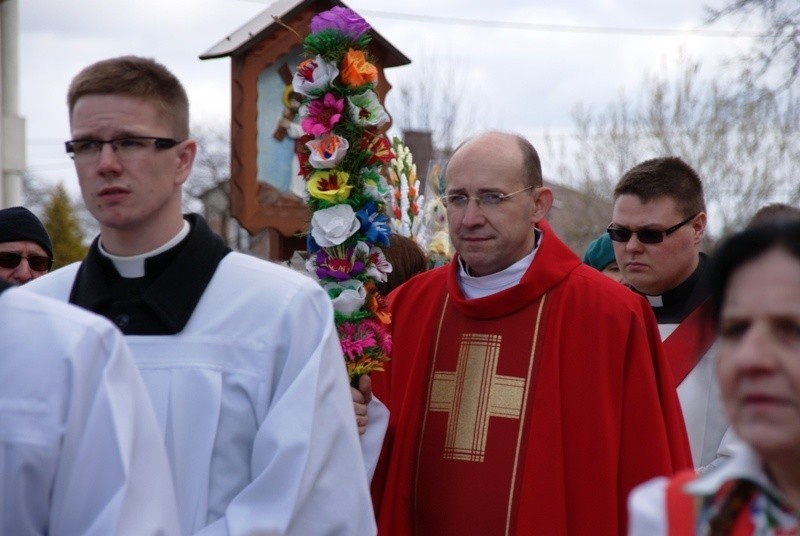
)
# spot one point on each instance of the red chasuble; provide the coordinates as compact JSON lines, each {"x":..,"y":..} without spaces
{"x":532,"y":411}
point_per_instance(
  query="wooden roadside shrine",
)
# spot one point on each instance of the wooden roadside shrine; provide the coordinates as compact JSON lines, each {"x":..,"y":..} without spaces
{"x":264,"y":189}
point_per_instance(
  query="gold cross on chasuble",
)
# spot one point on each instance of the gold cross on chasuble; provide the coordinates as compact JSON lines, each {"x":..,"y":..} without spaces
{"x":472,"y":394}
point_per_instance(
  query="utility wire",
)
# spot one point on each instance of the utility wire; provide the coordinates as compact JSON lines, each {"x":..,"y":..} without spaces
{"x":558,"y":28}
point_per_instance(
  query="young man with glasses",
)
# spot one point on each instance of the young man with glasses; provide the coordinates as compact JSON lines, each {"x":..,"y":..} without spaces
{"x":240,"y":356}
{"x":25,"y":248}
{"x":523,"y":383}
{"x":657,"y":227}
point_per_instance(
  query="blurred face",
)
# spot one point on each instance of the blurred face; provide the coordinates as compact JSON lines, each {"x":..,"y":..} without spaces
{"x":656,"y":268}
{"x":492,"y":238}
{"x":612,"y":270}
{"x":758,"y":360}
{"x":136,"y":198}
{"x":23,"y":272}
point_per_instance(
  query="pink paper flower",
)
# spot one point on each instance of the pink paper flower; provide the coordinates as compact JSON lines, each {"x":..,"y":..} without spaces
{"x":322,"y":115}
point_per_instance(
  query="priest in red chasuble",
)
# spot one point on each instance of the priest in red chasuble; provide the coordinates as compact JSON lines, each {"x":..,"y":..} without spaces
{"x":528,"y":392}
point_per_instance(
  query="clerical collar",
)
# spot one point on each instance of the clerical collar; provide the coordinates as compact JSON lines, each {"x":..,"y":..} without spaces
{"x":674,"y":305}
{"x":479,"y":287}
{"x":133,"y":266}
{"x":161,"y":302}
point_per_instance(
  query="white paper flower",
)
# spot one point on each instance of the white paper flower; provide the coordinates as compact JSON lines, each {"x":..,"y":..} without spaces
{"x":366,"y":109}
{"x":351,"y":297}
{"x":314,"y":75}
{"x":378,"y":266}
{"x":376,"y":186}
{"x":332,"y":226}
{"x":327,"y":151}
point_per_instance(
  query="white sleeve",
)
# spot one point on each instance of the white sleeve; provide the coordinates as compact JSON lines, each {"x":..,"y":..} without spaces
{"x":647,"y":509}
{"x":308,"y":474}
{"x":372,"y":439}
{"x":80,"y":451}
{"x":114,"y":476}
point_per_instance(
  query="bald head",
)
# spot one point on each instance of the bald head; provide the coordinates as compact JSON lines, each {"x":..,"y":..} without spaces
{"x":509,"y":149}
{"x":497,"y":177}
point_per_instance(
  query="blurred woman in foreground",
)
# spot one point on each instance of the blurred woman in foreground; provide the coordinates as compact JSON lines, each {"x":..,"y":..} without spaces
{"x":755,"y":285}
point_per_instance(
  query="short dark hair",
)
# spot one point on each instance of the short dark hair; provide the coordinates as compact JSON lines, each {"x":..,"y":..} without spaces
{"x":135,"y":77}
{"x":774,"y":211}
{"x":745,"y":246}
{"x":531,"y":165}
{"x":668,"y":176}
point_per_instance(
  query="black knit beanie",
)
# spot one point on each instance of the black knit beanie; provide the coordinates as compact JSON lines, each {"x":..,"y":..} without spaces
{"x":19,"y":223}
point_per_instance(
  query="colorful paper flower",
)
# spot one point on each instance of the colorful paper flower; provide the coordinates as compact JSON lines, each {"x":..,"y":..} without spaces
{"x":376,"y":304}
{"x":322,"y":115}
{"x":356,"y":70}
{"x":379,"y":148}
{"x":329,"y":185}
{"x":347,"y":297}
{"x":332,"y":226}
{"x":378,"y":267}
{"x":314,"y":76}
{"x":366,"y":110}
{"x":346,"y":192}
{"x":357,"y":338}
{"x":375,"y":186}
{"x":338,"y":263}
{"x":374,"y":224}
{"x":403,"y":203}
{"x":342,"y":20}
{"x":327,"y":151}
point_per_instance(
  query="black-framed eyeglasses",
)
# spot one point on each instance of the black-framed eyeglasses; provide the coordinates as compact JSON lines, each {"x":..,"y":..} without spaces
{"x":38,"y":263}
{"x":645,"y":236}
{"x":123,"y":147}
{"x":484,"y":199}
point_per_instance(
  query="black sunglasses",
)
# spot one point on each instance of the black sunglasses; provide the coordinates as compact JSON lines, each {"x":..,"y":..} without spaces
{"x":38,"y":263}
{"x":645,"y":236}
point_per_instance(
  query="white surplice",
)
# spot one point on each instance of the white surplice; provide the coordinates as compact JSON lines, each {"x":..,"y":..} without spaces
{"x":254,"y":406}
{"x":80,"y":452}
{"x":710,"y":435}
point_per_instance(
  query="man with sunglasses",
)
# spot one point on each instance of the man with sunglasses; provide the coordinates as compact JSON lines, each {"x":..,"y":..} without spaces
{"x":25,"y":248}
{"x":240,"y":356}
{"x":657,"y":228}
{"x":523,"y":383}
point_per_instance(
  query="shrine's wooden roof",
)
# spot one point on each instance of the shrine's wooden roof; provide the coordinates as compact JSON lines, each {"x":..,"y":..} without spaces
{"x":263,"y":25}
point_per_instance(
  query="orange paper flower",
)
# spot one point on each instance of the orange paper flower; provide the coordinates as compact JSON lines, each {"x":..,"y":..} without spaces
{"x":356,"y":70}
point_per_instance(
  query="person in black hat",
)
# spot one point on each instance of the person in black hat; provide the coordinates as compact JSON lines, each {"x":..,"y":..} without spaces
{"x":25,"y":248}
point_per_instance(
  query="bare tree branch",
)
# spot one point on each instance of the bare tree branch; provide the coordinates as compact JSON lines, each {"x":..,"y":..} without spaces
{"x":743,"y":140}
{"x":778,"y":48}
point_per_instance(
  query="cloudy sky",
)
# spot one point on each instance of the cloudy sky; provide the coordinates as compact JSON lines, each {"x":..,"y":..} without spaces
{"x":527,"y":65}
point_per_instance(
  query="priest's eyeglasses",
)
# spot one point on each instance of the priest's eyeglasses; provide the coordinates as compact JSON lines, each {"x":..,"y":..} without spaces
{"x":484,"y":199}
{"x":38,"y":263}
{"x":645,"y":236}
{"x":130,"y":147}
